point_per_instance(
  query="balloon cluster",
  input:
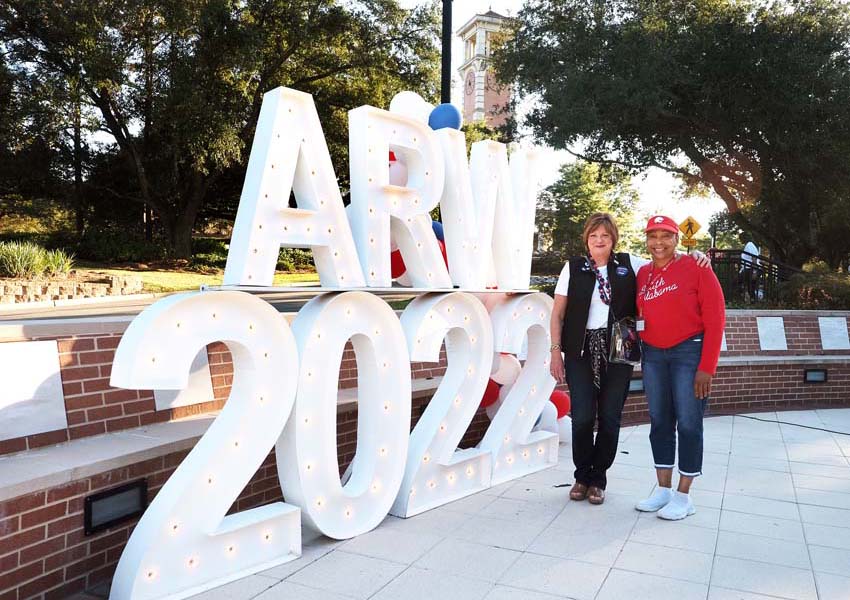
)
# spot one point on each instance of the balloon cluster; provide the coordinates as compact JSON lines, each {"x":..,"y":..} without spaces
{"x":440,"y":117}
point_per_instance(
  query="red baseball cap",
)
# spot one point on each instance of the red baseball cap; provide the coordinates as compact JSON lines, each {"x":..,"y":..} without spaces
{"x":663,"y":223}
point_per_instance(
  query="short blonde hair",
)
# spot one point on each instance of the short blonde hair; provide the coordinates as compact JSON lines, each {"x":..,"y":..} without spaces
{"x":597,"y":220}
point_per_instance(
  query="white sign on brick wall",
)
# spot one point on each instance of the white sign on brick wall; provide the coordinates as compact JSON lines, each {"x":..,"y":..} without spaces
{"x":833,"y":333}
{"x":772,"y":333}
{"x":31,"y":401}
{"x":199,"y":389}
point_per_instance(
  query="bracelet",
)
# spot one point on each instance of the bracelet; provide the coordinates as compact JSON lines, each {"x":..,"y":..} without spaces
{"x":554,"y":347}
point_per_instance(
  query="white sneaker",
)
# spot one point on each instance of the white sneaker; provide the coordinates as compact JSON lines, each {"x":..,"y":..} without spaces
{"x":659,"y":499}
{"x":678,"y":508}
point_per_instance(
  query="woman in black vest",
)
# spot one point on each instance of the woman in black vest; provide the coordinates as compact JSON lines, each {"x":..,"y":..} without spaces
{"x":601,"y":289}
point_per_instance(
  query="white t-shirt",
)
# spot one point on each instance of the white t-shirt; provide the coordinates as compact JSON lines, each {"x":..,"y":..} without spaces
{"x":597,"y":316}
{"x":752,"y":249}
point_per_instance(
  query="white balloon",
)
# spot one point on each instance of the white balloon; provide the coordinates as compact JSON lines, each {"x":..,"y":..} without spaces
{"x":565,"y":429}
{"x":404,"y":280}
{"x":411,"y":104}
{"x":548,"y":419}
{"x":398,"y":173}
{"x":506,"y":369}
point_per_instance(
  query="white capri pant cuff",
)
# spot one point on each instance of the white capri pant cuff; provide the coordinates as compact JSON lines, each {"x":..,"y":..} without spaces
{"x":697,"y":474}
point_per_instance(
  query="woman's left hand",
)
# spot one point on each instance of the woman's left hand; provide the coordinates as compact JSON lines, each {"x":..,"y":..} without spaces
{"x":702,"y":385}
{"x":702,"y":259}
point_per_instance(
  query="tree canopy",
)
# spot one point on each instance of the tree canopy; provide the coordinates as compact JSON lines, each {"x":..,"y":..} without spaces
{"x":583,"y":189}
{"x":174,"y":88}
{"x":748,"y":98}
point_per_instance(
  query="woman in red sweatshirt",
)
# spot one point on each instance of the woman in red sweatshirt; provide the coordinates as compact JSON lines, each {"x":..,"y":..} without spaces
{"x":681,"y":319}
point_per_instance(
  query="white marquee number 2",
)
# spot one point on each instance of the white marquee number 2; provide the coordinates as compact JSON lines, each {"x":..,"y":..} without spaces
{"x":184,"y":543}
{"x":436,"y":472}
{"x":516,"y":450}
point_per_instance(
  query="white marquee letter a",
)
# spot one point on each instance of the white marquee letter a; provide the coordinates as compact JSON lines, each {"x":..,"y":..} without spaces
{"x":290,"y":154}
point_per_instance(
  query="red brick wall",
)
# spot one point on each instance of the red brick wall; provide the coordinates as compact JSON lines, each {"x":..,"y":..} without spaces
{"x":757,"y":388}
{"x":802,"y":335}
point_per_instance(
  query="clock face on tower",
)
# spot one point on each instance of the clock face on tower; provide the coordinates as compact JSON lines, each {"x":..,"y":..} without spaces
{"x":469,"y":86}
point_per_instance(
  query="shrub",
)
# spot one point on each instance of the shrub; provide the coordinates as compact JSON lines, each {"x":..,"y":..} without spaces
{"x":295,"y":259}
{"x":58,"y":263}
{"x":817,"y":267}
{"x":209,"y":253}
{"x":547,"y":263}
{"x":817,"y":291}
{"x":110,"y":246}
{"x":23,"y":260}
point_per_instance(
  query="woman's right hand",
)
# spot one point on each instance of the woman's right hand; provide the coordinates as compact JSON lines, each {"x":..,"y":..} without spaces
{"x":556,"y":366}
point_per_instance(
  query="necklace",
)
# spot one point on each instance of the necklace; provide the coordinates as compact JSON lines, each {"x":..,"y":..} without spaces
{"x":604,"y":283}
{"x":652,"y":274}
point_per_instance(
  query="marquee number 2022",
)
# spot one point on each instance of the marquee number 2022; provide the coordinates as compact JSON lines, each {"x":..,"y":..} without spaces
{"x":282,"y":396}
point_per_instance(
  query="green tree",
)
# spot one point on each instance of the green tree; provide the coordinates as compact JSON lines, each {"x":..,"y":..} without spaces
{"x":747,"y":98}
{"x":178,"y":84}
{"x":583,"y":189}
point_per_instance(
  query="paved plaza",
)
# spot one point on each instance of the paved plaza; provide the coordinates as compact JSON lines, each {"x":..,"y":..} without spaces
{"x":772,"y":521}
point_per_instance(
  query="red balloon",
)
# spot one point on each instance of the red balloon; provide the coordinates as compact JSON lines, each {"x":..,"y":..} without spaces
{"x":443,"y":250}
{"x":397,"y":264}
{"x":491,"y":394}
{"x":561,"y":400}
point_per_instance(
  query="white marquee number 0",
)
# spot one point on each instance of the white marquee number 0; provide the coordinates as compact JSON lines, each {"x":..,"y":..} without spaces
{"x":436,"y":472}
{"x":312,"y":480}
{"x":184,"y":543}
{"x":517,"y":451}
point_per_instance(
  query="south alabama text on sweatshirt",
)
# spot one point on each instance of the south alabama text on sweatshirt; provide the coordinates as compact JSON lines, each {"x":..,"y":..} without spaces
{"x":680,"y":301}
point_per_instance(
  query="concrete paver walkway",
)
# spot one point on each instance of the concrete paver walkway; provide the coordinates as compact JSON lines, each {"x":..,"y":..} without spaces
{"x":772,"y":521}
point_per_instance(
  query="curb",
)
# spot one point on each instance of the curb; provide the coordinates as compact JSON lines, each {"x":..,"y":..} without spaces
{"x":26,"y":306}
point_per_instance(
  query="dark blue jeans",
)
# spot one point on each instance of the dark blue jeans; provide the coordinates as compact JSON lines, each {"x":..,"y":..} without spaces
{"x":668,"y":379}
{"x":595,"y":407}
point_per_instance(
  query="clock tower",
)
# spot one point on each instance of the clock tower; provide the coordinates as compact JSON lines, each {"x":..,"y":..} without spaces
{"x":483,"y":99}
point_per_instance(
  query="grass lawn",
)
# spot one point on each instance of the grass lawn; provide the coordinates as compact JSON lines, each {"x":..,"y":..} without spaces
{"x":157,"y":281}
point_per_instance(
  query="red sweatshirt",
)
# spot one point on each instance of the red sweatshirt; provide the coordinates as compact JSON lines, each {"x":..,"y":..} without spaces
{"x":679,"y":302}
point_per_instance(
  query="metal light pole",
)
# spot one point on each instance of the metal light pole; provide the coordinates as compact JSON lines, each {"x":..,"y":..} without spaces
{"x":446,"y":74}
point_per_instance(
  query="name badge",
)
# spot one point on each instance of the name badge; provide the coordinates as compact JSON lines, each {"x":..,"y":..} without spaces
{"x":622,"y":271}
{"x":640,"y":324}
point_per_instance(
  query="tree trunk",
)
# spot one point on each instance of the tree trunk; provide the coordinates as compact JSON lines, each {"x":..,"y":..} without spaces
{"x":147,"y":107}
{"x":79,"y":200}
{"x":180,"y":236}
{"x":183,"y":223}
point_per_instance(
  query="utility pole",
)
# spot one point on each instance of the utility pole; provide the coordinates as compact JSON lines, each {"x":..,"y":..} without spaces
{"x":446,"y":74}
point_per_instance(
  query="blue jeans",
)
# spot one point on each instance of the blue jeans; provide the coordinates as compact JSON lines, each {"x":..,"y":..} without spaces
{"x":668,"y":379}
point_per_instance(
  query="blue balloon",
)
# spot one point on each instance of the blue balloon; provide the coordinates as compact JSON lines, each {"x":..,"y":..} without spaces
{"x":445,"y":115}
{"x":438,"y":230}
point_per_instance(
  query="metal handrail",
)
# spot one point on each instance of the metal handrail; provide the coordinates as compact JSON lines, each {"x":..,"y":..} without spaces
{"x":754,"y":280}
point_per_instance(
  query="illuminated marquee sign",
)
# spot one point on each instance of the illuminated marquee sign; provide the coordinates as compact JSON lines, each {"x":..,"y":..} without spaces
{"x":283,"y":396}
